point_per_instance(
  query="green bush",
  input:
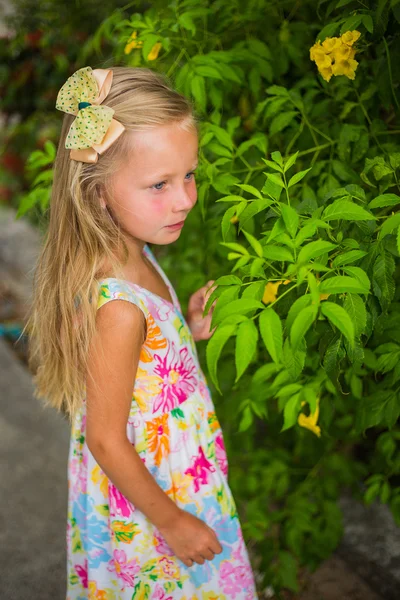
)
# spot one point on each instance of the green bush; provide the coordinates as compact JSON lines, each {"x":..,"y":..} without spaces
{"x":298,"y":187}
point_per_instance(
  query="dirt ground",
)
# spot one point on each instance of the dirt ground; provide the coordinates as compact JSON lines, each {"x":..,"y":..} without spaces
{"x":334,"y":580}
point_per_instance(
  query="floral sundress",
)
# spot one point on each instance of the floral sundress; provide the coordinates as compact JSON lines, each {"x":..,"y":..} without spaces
{"x":114,"y":552}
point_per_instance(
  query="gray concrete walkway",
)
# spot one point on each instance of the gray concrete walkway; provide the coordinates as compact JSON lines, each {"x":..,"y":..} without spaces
{"x":33,"y":489}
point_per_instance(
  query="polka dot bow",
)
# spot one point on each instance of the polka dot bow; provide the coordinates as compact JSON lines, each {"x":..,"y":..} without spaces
{"x":94,"y":129}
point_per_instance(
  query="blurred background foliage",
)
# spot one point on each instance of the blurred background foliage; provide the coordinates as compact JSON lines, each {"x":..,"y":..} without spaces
{"x":265,"y":108}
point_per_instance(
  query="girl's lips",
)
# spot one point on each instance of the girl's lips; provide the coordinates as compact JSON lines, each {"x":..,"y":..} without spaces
{"x":176,"y":225}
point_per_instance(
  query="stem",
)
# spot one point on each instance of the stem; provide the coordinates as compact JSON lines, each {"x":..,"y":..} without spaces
{"x":390,"y":72}
{"x":176,"y":61}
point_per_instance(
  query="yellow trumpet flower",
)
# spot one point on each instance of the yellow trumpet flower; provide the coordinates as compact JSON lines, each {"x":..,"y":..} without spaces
{"x":310,"y":421}
{"x":132,"y":43}
{"x":271,"y":291}
{"x":154,"y":51}
{"x":335,"y":56}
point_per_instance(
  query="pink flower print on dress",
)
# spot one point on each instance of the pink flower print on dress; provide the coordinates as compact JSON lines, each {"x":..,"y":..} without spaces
{"x":83,"y":575}
{"x":77,"y":484}
{"x":119,"y":505}
{"x":160,"y":312}
{"x":234,"y":580}
{"x":159,"y":594}
{"x":124,"y":569}
{"x":169,"y":567}
{"x":199,"y":468}
{"x":178,"y":375}
{"x":161,"y":545}
{"x":221,"y":454}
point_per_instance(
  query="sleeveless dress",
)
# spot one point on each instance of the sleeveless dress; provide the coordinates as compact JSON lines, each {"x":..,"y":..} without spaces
{"x":114,"y":552}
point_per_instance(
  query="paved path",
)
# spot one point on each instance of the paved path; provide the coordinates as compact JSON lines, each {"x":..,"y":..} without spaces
{"x":33,"y":489}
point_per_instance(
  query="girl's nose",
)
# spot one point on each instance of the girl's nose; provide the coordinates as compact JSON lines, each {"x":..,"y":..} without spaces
{"x":185,"y":200}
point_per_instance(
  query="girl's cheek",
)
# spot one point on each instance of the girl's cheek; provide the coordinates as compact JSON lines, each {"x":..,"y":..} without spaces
{"x":158,"y":207}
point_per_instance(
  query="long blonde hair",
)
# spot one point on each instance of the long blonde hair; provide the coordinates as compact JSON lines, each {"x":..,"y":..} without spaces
{"x":81,"y":236}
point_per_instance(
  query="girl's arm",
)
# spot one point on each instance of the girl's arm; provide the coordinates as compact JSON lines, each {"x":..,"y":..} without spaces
{"x":112,"y":365}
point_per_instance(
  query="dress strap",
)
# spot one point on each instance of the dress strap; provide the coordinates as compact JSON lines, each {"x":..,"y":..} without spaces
{"x":119,"y":289}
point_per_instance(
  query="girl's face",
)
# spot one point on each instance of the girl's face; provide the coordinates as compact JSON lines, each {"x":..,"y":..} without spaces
{"x":156,"y":186}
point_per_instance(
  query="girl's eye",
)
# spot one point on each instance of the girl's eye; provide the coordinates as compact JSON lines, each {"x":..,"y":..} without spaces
{"x":163,"y":182}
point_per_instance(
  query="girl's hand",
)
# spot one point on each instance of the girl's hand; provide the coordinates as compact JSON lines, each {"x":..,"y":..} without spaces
{"x":199,"y":325}
{"x":191,"y":539}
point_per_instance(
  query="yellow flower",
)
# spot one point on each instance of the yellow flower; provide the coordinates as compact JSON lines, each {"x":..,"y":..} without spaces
{"x":98,"y":476}
{"x":154,"y":51}
{"x":345,"y":67}
{"x":212,"y":596}
{"x":310,"y":422}
{"x":326,"y":73}
{"x":314,"y":49}
{"x":343,"y":52}
{"x":322,"y":60}
{"x":350,"y":37}
{"x":271,"y":291}
{"x":132,"y":43}
{"x":335,"y":56}
{"x":330,"y":44}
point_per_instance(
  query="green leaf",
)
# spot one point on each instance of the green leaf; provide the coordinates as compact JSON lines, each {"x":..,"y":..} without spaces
{"x":398,"y":240}
{"x":219,"y":150}
{"x":246,"y":343}
{"x":347,"y":210}
{"x":246,"y":420}
{"x":355,"y":307}
{"x":348,"y":257}
{"x":277,"y":253}
{"x":277,"y":90}
{"x":290,"y":161}
{"x":384,"y":200}
{"x":281,"y":121}
{"x":207,"y":71}
{"x":305,"y":232}
{"x":273,"y":165}
{"x":234,"y":246}
{"x":382,"y":281}
{"x":340,"y":318}
{"x":277,"y":179}
{"x":254,"y":243}
{"x":333,"y":356}
{"x":298,"y":177}
{"x":271,"y":333}
{"x":232,"y":198}
{"x":199,"y":91}
{"x":295,"y":308}
{"x":290,"y":218}
{"x":228,"y":280}
{"x":214,"y":349}
{"x":253,"y":209}
{"x":226,"y":224}
{"x":250,"y":189}
{"x":351,"y":23}
{"x":359,"y":274}
{"x":368,"y":23}
{"x":341,"y":284}
{"x":291,"y":411}
{"x":301,"y":325}
{"x":391,"y":223}
{"x":314,"y":249}
{"x":241,"y":306}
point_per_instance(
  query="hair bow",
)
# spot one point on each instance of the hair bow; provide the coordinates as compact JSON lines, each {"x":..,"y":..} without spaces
{"x":94,"y":129}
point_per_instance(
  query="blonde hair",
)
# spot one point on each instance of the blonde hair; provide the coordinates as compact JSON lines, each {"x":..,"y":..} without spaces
{"x":81,"y":235}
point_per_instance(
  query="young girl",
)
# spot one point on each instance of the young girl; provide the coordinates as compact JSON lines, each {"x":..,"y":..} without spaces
{"x":150,"y":511}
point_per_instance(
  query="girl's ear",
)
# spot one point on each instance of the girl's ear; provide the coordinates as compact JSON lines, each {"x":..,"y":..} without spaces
{"x":102,"y":203}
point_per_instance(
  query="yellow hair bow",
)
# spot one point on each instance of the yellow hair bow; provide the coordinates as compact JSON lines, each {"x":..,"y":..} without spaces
{"x":94,"y":129}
